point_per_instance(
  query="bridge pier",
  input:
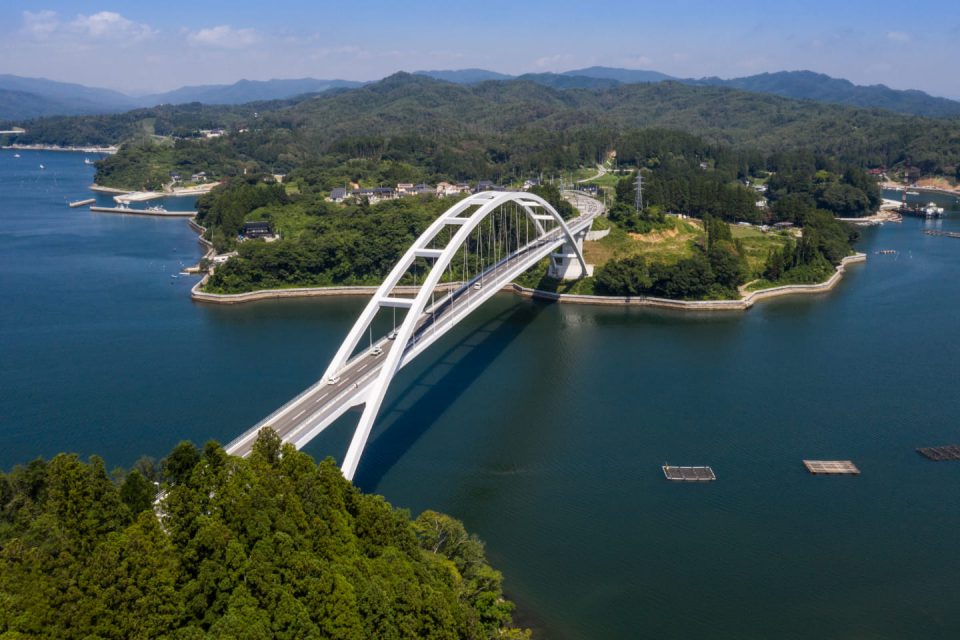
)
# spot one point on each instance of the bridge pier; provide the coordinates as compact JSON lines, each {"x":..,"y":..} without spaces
{"x":565,"y":263}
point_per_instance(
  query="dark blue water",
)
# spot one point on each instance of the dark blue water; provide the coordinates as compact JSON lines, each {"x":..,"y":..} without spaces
{"x":544,"y":426}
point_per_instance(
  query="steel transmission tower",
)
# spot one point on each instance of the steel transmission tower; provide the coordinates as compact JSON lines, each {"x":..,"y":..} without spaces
{"x":639,"y":183}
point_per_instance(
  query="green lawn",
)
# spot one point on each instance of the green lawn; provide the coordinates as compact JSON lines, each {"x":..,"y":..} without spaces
{"x":757,"y":244}
{"x":677,"y":240}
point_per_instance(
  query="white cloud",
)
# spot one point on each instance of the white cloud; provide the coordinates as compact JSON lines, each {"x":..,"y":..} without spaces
{"x":898,"y":36}
{"x":110,"y":25}
{"x":105,"y":25}
{"x":224,"y":37}
{"x":40,"y":24}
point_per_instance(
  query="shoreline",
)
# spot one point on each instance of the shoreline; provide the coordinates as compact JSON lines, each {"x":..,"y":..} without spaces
{"x":893,"y":186}
{"x":142,"y":196}
{"x":742,"y":304}
{"x":110,"y":150}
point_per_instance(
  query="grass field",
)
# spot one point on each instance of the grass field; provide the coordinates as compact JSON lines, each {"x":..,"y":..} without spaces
{"x":677,"y":240}
{"x":757,"y":245}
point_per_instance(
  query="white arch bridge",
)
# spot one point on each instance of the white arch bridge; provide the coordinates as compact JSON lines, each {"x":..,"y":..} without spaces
{"x":463,"y":258}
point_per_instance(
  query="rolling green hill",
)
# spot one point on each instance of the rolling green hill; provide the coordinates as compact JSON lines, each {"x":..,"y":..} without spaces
{"x":509,"y":127}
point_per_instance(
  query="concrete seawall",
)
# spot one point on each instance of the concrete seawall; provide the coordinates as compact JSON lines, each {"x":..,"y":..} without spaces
{"x":695,"y":305}
{"x":300,"y":292}
{"x":641,"y":301}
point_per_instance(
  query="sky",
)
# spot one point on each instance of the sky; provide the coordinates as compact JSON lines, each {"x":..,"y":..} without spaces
{"x":143,"y":47}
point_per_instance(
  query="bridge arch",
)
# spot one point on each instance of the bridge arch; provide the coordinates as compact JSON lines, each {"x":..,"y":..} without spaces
{"x":485,"y":203}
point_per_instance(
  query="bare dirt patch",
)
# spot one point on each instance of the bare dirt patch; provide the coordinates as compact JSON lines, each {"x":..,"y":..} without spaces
{"x":654,"y":236}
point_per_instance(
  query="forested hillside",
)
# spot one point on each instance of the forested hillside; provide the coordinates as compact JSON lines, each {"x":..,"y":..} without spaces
{"x":511,"y":127}
{"x":272,"y":546}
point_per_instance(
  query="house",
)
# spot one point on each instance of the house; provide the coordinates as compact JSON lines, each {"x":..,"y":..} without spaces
{"x":783,"y":225}
{"x":223,"y":257}
{"x":200,"y":176}
{"x":877,"y":172}
{"x":762,"y":203}
{"x":760,"y":188}
{"x":424,"y":189}
{"x":528,"y":184}
{"x":404,"y":188}
{"x":337,"y":195}
{"x":278,"y":177}
{"x":175,"y":177}
{"x":445,"y":189}
{"x":488,"y":185}
{"x":257,"y":229}
{"x":374,"y":195}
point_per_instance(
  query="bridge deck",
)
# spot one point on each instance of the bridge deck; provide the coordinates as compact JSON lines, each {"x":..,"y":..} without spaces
{"x":319,"y":405}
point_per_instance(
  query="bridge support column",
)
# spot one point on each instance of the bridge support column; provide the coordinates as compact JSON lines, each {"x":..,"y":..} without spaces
{"x":565,"y":263}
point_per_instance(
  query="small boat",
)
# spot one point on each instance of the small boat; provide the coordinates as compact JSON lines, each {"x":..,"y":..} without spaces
{"x":87,"y":161}
{"x":913,"y":193}
{"x":42,"y":167}
{"x":16,"y":155}
{"x":157,"y":208}
{"x":932,"y":210}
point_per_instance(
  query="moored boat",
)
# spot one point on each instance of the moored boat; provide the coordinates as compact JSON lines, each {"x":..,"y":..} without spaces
{"x":932,"y":210}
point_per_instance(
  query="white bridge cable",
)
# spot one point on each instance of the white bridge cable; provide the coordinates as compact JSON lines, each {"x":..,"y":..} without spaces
{"x":494,"y":249}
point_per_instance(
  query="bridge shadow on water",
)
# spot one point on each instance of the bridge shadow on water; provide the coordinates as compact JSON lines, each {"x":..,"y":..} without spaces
{"x":423,"y":400}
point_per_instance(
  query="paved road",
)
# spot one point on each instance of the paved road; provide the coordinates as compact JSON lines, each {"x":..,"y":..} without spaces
{"x":601,"y":171}
{"x":331,"y":398}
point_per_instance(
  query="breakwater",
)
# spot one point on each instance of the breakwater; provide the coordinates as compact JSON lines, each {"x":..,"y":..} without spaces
{"x":145,"y":212}
{"x":110,"y":150}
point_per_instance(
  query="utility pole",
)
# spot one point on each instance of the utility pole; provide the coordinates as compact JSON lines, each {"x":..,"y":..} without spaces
{"x":639,"y":183}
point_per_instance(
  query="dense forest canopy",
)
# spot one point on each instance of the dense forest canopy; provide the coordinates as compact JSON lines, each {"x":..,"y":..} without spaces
{"x":272,"y":546}
{"x":516,"y":127}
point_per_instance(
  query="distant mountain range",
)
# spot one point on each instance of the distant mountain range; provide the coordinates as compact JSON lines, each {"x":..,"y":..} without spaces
{"x":245,"y":91}
{"x":24,"y":98}
{"x":32,"y":97}
{"x":802,"y":85}
{"x":807,"y":85}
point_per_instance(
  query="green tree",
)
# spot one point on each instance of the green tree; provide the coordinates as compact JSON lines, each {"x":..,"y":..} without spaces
{"x":137,"y":492}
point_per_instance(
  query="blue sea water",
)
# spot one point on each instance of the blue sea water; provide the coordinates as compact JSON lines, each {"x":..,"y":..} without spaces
{"x":544,"y":426}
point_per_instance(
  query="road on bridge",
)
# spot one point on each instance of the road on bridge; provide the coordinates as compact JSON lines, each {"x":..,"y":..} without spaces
{"x":328,"y":399}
